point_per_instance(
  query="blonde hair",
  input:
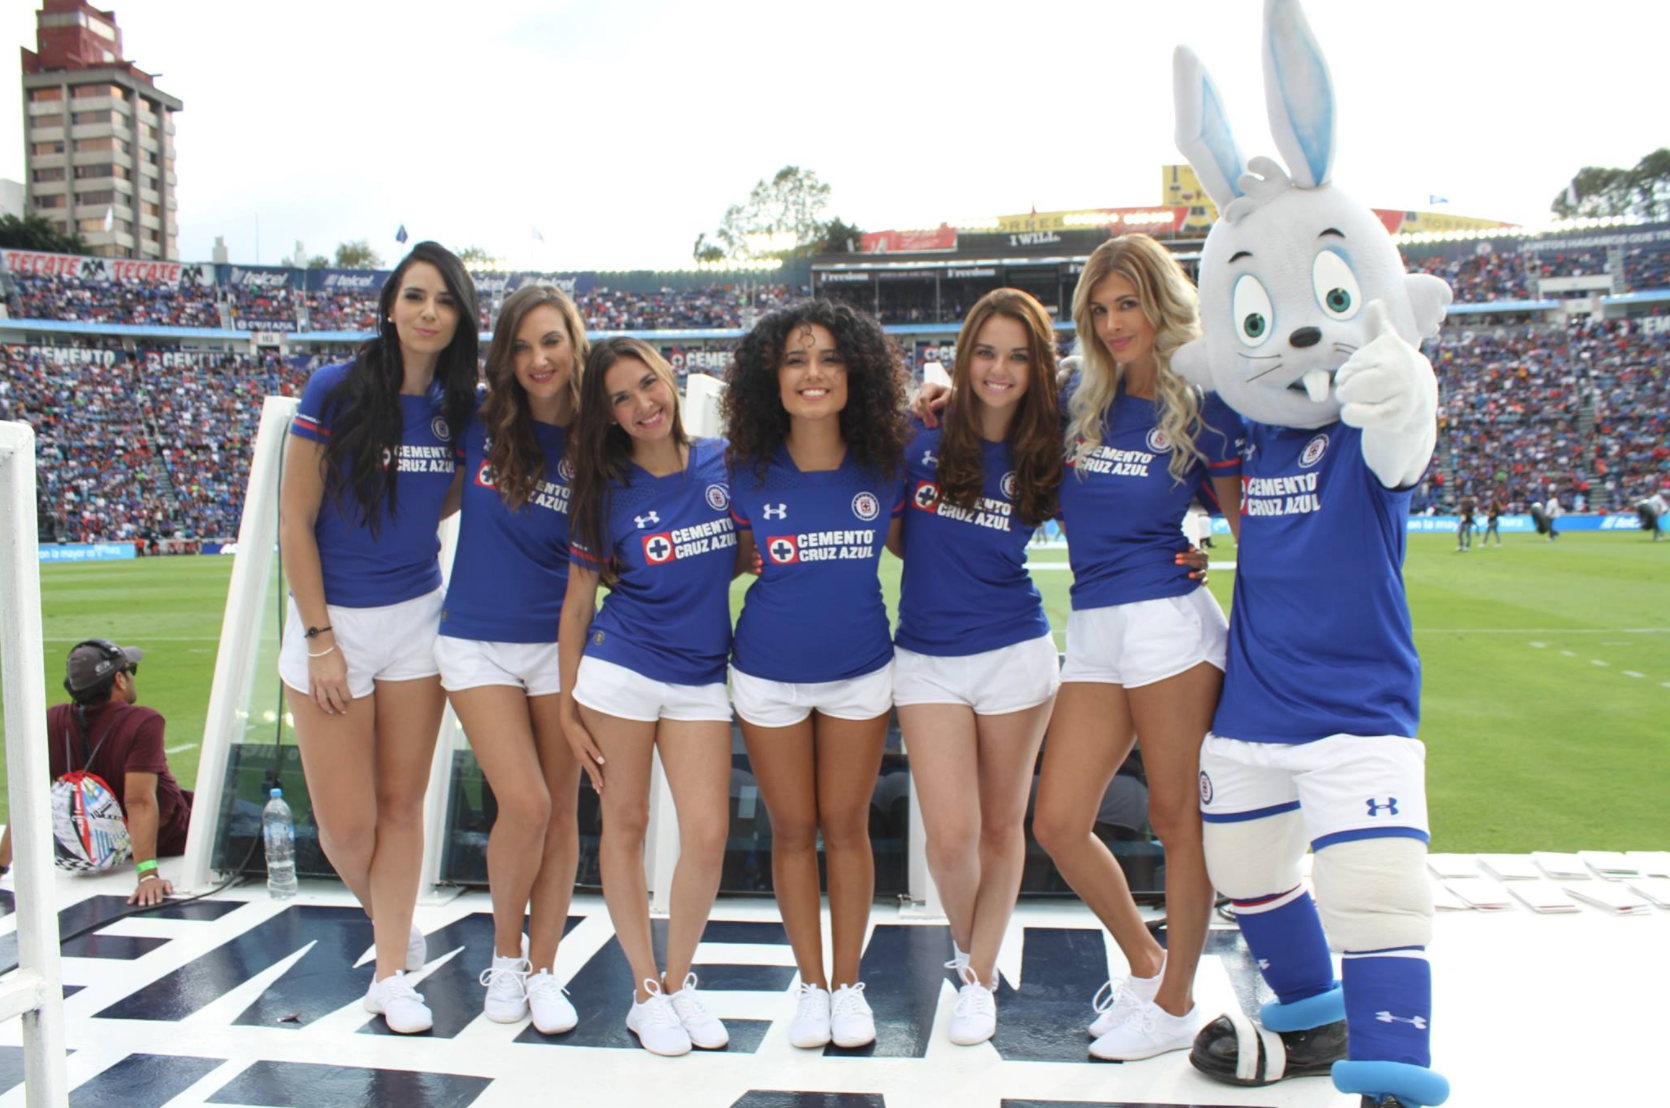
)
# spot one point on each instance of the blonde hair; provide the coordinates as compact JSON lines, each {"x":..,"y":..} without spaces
{"x":1172,"y":307}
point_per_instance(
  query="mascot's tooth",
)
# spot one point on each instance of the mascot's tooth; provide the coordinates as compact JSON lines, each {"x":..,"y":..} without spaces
{"x":1316,"y":384}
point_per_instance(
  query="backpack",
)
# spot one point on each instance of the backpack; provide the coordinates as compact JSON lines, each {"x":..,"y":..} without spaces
{"x":89,"y":829}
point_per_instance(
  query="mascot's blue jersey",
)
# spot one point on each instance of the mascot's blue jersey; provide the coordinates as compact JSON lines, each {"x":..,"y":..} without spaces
{"x":668,"y":617}
{"x":816,"y":612}
{"x":511,"y":568}
{"x":1319,"y":635}
{"x":965,"y":589}
{"x":401,"y":562}
{"x":1124,"y":513}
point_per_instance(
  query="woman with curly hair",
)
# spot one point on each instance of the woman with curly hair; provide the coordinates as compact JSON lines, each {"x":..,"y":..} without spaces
{"x":498,"y":660}
{"x":369,"y":473}
{"x":1145,"y":640}
{"x":975,"y":663}
{"x":651,"y":520}
{"x":815,"y":410}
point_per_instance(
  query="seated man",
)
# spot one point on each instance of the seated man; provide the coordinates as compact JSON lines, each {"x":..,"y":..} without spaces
{"x":126,"y":744}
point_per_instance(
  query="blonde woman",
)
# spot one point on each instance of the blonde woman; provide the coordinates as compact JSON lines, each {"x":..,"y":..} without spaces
{"x":1145,"y":640}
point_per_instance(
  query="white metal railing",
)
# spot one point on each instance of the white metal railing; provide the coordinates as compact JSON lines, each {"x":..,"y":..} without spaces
{"x":35,"y":992}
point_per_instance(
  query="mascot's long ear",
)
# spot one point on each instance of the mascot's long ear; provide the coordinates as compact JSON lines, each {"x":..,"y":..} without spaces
{"x":1298,"y":94}
{"x":1192,"y":363}
{"x":1429,"y":296}
{"x":1203,"y":133}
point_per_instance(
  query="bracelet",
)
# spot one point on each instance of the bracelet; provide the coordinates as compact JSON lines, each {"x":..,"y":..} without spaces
{"x":146,"y":866}
{"x":321,"y":653}
{"x":313,"y":631}
{"x":144,"y":877}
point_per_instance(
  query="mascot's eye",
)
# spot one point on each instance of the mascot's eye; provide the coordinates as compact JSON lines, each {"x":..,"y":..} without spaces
{"x":1254,"y":317}
{"x":1335,"y":285}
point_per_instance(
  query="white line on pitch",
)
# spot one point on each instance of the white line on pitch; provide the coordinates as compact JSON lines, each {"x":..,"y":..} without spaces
{"x":177,"y":749}
{"x":1597,"y":662}
{"x":1539,"y":645}
{"x":1632,"y":673}
{"x":1569,"y":653}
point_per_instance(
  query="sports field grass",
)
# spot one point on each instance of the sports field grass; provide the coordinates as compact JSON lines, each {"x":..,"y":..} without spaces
{"x":1546,"y":709}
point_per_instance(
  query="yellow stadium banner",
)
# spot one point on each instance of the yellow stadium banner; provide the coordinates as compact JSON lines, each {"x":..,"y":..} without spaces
{"x":1180,"y":188}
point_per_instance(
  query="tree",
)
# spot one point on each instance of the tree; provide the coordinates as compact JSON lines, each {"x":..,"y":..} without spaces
{"x":705,"y":251}
{"x":476,"y":257}
{"x":357,"y":255}
{"x":1640,"y":192}
{"x":782,"y":216}
{"x":838,"y":237}
{"x":318,"y":261}
{"x":36,"y":232}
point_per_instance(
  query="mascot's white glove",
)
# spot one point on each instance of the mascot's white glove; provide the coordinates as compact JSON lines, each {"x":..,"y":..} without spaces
{"x":1388,"y":389}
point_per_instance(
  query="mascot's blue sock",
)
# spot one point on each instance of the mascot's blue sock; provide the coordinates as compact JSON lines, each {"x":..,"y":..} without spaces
{"x":1285,"y":935}
{"x":1388,"y":1013}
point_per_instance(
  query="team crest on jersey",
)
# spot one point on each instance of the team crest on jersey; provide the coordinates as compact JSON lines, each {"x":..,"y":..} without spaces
{"x":1205,"y":788}
{"x":440,"y":429}
{"x":927,"y":496}
{"x":783,"y":550}
{"x":866,"y":506}
{"x":1158,"y":441}
{"x":565,"y":469}
{"x":1010,"y":484}
{"x":718,"y":497}
{"x":1313,"y":451}
{"x":485,"y":477}
{"x":658,"y":548}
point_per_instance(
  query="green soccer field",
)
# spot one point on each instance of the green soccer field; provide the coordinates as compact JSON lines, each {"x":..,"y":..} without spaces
{"x":1546,"y":708}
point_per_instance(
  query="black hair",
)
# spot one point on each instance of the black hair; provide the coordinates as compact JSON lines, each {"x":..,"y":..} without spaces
{"x":364,"y":408}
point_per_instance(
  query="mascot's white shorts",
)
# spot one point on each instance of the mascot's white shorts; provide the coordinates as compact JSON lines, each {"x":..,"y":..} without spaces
{"x":1145,"y":641}
{"x":1344,"y":787}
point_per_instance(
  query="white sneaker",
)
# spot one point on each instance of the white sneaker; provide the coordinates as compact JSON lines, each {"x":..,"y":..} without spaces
{"x":400,"y":1005}
{"x":552,"y":1012}
{"x":507,"y":987}
{"x":656,"y":1023}
{"x":810,"y":1029}
{"x":959,"y":959}
{"x":1147,"y":1030}
{"x":705,"y":1029}
{"x":1114,"y":999}
{"x":974,"y":1019}
{"x":851,"y":1023}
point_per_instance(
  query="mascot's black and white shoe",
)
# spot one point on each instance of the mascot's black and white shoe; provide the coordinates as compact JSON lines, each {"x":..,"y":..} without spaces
{"x":1235,"y":1050}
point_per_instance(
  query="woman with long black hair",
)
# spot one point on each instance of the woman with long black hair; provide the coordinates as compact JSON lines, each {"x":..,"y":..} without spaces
{"x":369,"y":472}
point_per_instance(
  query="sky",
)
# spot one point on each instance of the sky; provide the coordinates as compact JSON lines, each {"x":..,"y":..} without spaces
{"x":621,"y":130}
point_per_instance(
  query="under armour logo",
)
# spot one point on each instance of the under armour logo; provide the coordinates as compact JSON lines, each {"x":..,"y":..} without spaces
{"x":782,"y":512}
{"x":1417,"y":1022}
{"x":1375,"y":808}
{"x":929,"y":459}
{"x":1263,"y":964}
{"x":646,"y":520}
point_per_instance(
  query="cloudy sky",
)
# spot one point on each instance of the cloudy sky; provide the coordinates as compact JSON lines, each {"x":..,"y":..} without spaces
{"x":621,"y":130}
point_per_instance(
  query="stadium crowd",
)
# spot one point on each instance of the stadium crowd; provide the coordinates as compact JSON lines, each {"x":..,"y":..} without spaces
{"x":48,"y":296}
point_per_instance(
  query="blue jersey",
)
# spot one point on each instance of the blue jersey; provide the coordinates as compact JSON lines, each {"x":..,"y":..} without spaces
{"x":1319,"y":636}
{"x":668,"y":617}
{"x":511,"y":568}
{"x":1122,"y":510}
{"x":402,"y":561}
{"x":815,"y":613}
{"x":966,"y":589}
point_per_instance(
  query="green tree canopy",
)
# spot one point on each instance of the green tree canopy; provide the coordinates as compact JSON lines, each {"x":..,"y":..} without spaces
{"x":1639,"y":192}
{"x":36,"y":232}
{"x":357,"y":255}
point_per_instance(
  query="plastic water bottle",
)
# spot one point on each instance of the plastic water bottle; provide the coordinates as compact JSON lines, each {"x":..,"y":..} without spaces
{"x":280,"y":836}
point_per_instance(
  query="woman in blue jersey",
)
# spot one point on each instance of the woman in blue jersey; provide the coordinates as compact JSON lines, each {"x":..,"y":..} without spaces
{"x":975,"y":662}
{"x":646,"y":673}
{"x":814,"y":406}
{"x":1145,"y":640}
{"x":497,"y":649}
{"x":369,"y":473}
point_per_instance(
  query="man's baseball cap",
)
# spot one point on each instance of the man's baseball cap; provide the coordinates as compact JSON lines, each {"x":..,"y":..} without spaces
{"x":95,"y":660}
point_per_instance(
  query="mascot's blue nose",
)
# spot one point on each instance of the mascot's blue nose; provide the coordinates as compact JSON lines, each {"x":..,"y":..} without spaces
{"x":1305,"y":336}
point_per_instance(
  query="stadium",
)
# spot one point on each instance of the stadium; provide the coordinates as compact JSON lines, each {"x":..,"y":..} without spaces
{"x":158,"y":393}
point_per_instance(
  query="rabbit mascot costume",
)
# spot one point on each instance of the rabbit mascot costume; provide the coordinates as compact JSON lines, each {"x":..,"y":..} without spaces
{"x":1311,"y":329}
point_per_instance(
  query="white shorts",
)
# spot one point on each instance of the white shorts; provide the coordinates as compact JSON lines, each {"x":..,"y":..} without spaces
{"x":1145,"y":641}
{"x":1009,"y":679}
{"x":766,"y":703}
{"x":470,"y":664}
{"x":393,"y":643}
{"x":627,"y":694}
{"x":1345,"y":786}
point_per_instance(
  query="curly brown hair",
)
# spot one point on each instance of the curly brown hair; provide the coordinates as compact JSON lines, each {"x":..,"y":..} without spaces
{"x":873,"y":423}
{"x":1035,"y":435}
{"x":518,"y":463}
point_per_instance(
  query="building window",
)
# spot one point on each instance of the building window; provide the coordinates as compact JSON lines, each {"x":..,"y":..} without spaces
{"x":47,"y":148}
{"x":82,"y":172}
{"x":148,"y":182}
{"x":36,"y":96}
{"x":102,"y":196}
{"x":84,"y":92}
{"x":109,"y":142}
{"x":55,"y":173}
{"x":50,"y":201}
{"x":47,"y":121}
{"x":150,"y":209}
{"x":102,"y":116}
